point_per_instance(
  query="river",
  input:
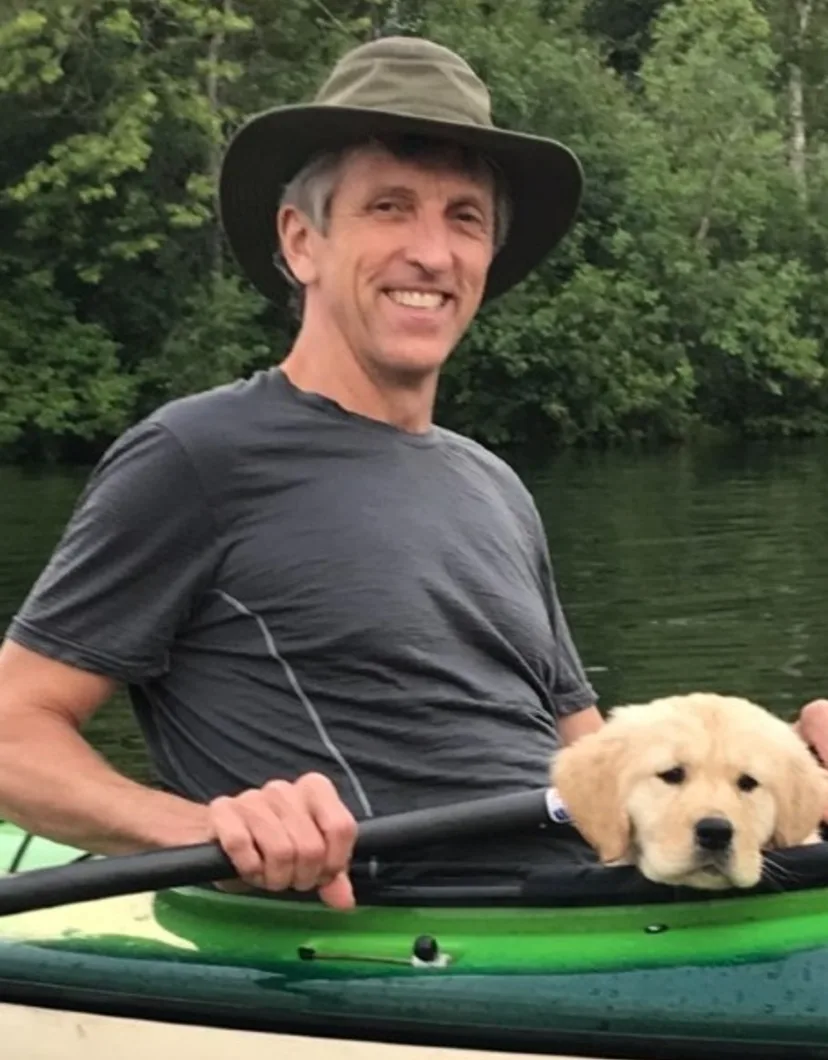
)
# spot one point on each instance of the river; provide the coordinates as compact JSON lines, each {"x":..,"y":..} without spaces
{"x":691,"y":568}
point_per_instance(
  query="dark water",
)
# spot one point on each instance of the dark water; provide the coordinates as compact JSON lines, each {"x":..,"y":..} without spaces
{"x":695,"y":569}
{"x":691,"y":569}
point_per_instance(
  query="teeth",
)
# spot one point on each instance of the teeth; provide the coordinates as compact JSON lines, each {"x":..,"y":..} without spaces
{"x":418,"y":299}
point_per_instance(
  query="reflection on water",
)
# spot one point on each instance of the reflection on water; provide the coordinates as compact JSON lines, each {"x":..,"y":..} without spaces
{"x":690,"y":569}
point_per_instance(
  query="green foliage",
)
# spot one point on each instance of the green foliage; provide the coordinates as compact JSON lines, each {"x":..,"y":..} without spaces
{"x":59,"y":378}
{"x":689,"y":292}
{"x":596,"y":363}
{"x":217,"y":338}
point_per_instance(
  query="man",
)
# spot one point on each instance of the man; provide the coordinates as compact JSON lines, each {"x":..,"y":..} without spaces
{"x":324,"y":607}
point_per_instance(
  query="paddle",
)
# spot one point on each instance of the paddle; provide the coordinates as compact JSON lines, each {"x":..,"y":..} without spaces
{"x":206,"y":862}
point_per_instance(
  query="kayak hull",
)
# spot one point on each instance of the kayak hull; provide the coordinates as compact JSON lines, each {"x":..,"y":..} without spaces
{"x":744,"y":976}
{"x":30,"y":1033}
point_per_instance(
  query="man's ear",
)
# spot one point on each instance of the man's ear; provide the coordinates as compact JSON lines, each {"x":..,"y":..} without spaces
{"x":295,"y":236}
{"x":586,"y":774}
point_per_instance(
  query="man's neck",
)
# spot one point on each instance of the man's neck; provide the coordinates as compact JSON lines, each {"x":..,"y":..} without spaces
{"x":341,"y":378}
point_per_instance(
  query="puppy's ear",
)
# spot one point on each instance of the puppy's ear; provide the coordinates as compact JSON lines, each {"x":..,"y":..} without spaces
{"x":586,"y":775}
{"x":801,"y":796}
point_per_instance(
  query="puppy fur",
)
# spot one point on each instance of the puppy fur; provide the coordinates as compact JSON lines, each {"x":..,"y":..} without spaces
{"x":644,"y":789}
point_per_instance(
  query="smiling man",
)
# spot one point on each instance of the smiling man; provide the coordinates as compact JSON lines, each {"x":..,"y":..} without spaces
{"x":393,"y":257}
{"x":324,"y":607}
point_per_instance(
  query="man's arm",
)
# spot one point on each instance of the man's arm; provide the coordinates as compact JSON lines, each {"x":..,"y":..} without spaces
{"x":52,"y":782}
{"x":572,"y":727}
{"x":137,"y":554}
{"x":572,"y":696}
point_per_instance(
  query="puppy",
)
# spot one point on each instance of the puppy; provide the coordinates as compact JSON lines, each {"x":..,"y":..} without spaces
{"x":692,"y":789}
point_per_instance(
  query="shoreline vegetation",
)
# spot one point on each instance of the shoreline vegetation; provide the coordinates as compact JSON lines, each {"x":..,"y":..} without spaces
{"x":689,"y":300}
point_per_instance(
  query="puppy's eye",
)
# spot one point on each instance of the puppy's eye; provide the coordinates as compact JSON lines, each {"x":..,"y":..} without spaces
{"x":673,"y":776}
{"x":746,"y":782}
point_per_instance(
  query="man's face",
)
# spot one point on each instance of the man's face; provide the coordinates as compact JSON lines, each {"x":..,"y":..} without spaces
{"x":401,"y":271}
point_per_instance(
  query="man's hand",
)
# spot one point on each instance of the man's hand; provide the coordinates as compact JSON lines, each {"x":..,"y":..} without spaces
{"x":812,"y":727}
{"x":297,"y":835}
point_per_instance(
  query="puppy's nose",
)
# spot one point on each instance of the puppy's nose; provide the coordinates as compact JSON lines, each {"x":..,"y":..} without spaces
{"x":714,"y":833}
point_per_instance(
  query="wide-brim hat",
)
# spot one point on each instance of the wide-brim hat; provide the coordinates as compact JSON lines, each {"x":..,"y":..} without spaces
{"x":394,"y":86}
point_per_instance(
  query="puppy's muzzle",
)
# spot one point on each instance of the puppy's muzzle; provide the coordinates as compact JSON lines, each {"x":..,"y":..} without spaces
{"x":713,"y":833}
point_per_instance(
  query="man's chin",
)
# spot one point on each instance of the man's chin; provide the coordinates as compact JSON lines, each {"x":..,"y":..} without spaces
{"x":411,"y":366}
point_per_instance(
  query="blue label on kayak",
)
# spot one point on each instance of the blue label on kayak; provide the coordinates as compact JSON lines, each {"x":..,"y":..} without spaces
{"x":556,"y":809}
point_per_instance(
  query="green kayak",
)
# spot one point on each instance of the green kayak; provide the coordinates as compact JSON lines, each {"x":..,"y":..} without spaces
{"x":598,"y":962}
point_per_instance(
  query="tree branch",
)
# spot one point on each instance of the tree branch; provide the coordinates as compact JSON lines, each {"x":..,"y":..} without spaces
{"x":710,"y":188}
{"x":215,"y":149}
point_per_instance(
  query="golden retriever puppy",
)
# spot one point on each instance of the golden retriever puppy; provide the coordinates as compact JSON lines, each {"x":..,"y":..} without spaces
{"x":692,"y":789}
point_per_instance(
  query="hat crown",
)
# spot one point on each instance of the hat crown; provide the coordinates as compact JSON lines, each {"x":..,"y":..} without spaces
{"x":408,"y":75}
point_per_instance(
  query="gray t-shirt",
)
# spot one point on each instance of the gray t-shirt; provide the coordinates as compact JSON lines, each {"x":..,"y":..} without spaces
{"x":285,"y":586}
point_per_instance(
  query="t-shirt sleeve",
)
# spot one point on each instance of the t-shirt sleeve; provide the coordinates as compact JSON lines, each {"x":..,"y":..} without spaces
{"x":136,"y":553}
{"x":571,"y":690}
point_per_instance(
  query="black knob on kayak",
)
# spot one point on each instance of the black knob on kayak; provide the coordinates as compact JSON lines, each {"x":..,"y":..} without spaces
{"x":426,"y":948}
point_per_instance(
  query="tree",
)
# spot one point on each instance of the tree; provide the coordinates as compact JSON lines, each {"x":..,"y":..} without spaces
{"x":690,"y":288}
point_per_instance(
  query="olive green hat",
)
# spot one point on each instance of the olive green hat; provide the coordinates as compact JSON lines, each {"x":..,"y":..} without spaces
{"x":394,"y":86}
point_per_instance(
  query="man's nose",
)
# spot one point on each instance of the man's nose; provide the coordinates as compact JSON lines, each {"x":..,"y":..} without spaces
{"x":430,"y":244}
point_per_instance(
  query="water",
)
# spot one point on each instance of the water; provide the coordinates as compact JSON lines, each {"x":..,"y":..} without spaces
{"x":687,"y":569}
{"x":695,"y":569}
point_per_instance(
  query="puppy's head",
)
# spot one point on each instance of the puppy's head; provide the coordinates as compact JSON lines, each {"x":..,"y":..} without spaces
{"x":692,"y":789}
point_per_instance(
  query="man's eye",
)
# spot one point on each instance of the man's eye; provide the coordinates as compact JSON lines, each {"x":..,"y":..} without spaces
{"x":386,"y":206}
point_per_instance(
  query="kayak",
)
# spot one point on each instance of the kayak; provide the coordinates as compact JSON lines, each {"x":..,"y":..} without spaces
{"x":589,"y":961}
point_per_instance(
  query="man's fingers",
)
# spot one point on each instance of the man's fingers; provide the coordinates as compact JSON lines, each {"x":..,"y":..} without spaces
{"x":334,"y":820}
{"x":308,"y":842}
{"x":255,"y":840}
{"x":236,"y":839}
{"x":339,"y":893}
{"x":296,"y":835}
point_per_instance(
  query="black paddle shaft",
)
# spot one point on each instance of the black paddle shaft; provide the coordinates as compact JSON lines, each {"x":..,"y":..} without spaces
{"x":206,"y":862}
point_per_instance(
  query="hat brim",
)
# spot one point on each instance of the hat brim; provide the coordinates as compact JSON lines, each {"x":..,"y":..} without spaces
{"x":544,"y":177}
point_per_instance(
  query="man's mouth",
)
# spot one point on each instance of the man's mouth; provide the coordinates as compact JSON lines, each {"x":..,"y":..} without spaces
{"x":418,"y":299}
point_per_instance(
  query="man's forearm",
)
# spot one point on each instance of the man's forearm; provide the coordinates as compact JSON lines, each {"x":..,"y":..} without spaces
{"x":572,"y":727}
{"x":53,"y":783}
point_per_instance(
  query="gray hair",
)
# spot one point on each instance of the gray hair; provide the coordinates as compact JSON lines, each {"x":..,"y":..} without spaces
{"x":312,"y":189}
